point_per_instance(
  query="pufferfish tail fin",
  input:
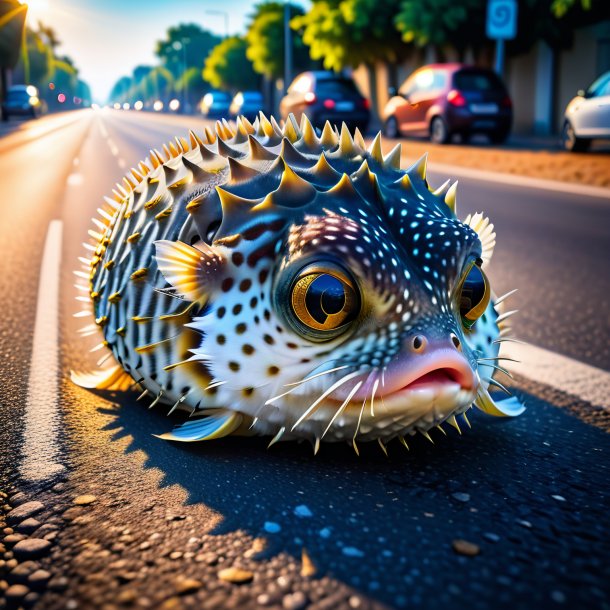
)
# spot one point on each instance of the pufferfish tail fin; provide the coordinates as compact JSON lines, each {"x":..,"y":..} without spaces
{"x":219,"y":423}
{"x":114,"y":379}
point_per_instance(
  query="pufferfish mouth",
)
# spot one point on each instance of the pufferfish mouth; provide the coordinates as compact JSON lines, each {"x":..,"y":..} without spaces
{"x":436,"y":372}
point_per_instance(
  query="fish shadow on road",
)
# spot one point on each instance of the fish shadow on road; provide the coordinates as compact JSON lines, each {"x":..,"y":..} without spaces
{"x":373,"y":521}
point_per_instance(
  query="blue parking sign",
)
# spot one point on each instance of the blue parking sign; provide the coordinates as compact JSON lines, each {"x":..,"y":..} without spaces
{"x":502,"y":19}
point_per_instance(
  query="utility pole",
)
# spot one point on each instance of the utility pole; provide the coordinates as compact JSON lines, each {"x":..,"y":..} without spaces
{"x":224,"y":14}
{"x":501,"y":25}
{"x":287,"y":47}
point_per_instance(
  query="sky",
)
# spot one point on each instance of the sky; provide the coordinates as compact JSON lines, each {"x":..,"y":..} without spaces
{"x":108,"y":38}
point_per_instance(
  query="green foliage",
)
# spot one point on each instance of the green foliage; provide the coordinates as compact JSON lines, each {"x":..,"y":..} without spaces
{"x":560,"y":8}
{"x":350,"y":32}
{"x":120,"y":92}
{"x":12,"y":24}
{"x":265,"y":39}
{"x":185,"y":45}
{"x":439,"y":22}
{"x":227,"y":66}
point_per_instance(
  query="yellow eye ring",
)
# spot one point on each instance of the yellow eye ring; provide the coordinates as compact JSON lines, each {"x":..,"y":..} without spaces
{"x":474,"y":294}
{"x":324,"y":300}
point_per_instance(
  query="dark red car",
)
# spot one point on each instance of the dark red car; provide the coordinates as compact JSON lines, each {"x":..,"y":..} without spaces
{"x":440,"y":100}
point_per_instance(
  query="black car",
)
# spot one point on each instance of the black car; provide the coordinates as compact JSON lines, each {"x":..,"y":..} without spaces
{"x":21,"y":100}
{"x":326,"y":96}
{"x":215,"y":104}
{"x":248,"y":104}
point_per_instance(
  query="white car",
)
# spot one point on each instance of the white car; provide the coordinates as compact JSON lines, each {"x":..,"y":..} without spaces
{"x":587,"y":116}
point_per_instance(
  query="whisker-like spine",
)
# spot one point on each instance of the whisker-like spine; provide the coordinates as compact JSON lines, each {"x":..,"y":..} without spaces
{"x":312,"y":408}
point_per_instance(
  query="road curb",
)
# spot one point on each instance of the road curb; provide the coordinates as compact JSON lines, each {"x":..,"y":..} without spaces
{"x":573,"y":188}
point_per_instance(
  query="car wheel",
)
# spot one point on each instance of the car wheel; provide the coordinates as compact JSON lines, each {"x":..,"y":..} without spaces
{"x":439,"y":133}
{"x":571,"y":142}
{"x":390,"y":128}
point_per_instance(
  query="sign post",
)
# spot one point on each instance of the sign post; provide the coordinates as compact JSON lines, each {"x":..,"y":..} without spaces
{"x":501,"y":25}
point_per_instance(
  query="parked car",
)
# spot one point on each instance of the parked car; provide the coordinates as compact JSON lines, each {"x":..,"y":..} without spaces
{"x":326,"y":96}
{"x":21,"y":100}
{"x":587,"y":116}
{"x":439,"y":100}
{"x":248,"y":104}
{"x":215,"y":104}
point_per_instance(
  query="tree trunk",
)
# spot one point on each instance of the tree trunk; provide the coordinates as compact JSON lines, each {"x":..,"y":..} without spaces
{"x":372,"y":72}
{"x":4,"y":80}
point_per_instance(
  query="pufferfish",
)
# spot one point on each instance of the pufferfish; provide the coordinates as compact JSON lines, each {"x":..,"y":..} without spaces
{"x":296,"y":284}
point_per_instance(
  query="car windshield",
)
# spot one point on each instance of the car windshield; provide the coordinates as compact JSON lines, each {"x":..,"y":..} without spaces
{"x":342,"y":86}
{"x":598,"y":85}
{"x":17,"y":95}
{"x":476,"y":81}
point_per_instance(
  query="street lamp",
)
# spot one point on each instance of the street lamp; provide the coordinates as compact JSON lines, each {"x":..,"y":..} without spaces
{"x":224,"y":14}
{"x":177,"y":45}
{"x":287,"y":46}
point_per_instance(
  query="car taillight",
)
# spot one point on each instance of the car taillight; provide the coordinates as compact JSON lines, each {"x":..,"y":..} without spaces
{"x":365,"y":103}
{"x":506,"y":102}
{"x":455,"y":98}
{"x":309,"y":97}
{"x":330,"y":104}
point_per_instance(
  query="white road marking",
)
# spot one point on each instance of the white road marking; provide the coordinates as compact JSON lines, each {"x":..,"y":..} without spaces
{"x":566,"y":374}
{"x":514,"y":180}
{"x":74,"y":179}
{"x":103,"y":129}
{"x":40,"y":451}
{"x":113,"y":149}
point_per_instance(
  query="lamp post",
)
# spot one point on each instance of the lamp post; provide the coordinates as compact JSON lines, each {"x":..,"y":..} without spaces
{"x":224,"y":14}
{"x":181,"y":44}
{"x":287,"y":46}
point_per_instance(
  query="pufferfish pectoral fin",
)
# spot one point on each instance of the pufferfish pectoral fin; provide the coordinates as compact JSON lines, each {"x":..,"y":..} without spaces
{"x":507,"y":407}
{"x":221,"y":423}
{"x":114,"y":379}
{"x":191,"y":271}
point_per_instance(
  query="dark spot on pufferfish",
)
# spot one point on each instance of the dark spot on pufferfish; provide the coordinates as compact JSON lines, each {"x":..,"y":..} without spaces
{"x":227,"y":284}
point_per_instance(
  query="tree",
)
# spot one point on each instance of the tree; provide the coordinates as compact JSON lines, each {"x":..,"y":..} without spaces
{"x":185,"y":46}
{"x":265,"y":40}
{"x":227,"y":66}
{"x":120,"y":92}
{"x":346,"y":33}
{"x":12,"y":25}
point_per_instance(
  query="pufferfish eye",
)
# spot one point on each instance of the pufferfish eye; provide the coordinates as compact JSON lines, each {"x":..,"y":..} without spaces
{"x":474,"y":295}
{"x":324,"y":300}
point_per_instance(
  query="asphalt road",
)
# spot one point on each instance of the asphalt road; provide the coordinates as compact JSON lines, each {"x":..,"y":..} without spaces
{"x":530,"y":494}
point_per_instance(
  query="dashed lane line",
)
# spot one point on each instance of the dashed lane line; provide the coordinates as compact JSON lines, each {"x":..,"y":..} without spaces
{"x":40,"y":451}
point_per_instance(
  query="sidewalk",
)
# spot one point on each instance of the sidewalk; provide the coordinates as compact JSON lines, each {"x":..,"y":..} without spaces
{"x":533,"y":157}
